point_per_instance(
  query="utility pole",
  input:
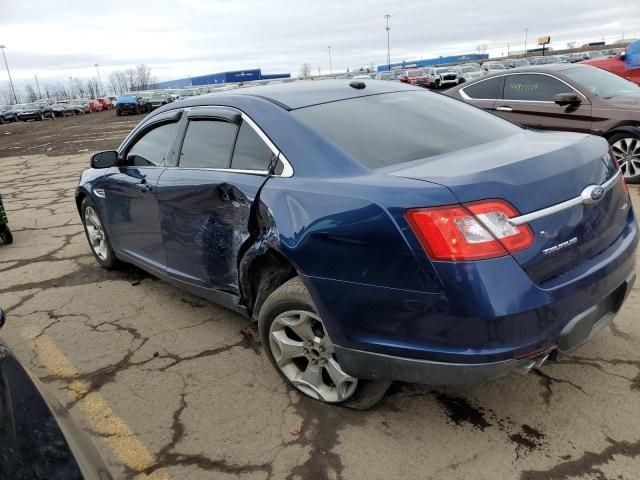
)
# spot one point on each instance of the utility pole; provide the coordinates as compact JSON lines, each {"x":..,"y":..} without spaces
{"x":99,"y":80}
{"x":526,"y":31}
{"x":387,"y":17}
{"x":38,"y":85}
{"x":330,"y":67}
{"x":15,"y":99}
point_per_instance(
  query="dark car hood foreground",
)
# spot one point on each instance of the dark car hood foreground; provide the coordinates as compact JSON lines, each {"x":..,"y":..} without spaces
{"x":535,"y":170}
{"x":38,"y":440}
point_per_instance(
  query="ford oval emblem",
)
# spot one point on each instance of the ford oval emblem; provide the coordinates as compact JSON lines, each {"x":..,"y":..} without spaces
{"x":592,"y":194}
{"x":597,"y":194}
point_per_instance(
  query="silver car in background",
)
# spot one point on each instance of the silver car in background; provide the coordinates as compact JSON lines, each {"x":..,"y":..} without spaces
{"x":389,"y":75}
{"x":492,"y":67}
{"x":448,"y":77}
{"x":467,"y":72}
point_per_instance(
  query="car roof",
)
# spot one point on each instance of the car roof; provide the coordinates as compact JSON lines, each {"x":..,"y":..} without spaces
{"x":546,"y":68}
{"x":293,"y":95}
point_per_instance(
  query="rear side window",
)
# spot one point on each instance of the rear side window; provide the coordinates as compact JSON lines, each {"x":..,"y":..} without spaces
{"x":486,"y":89}
{"x":151,"y":149}
{"x":251,"y":153}
{"x":537,"y":88}
{"x":383,"y":130}
{"x":207,"y":144}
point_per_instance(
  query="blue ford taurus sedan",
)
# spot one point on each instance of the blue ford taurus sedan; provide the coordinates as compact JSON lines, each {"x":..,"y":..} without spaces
{"x":375,"y":231}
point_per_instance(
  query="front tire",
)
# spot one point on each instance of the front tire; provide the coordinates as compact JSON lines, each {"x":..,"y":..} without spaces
{"x":97,"y":237}
{"x":626,"y":148}
{"x":300,"y":349}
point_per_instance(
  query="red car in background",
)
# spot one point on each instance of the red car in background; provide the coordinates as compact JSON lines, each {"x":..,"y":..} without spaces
{"x":106,"y":103}
{"x":616,"y":65}
{"x":95,"y":106}
{"x":416,"y":76}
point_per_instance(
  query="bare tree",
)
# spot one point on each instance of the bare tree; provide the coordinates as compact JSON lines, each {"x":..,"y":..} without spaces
{"x":118,"y":80}
{"x":81,"y":87}
{"x":93,"y":87}
{"x":143,"y":76}
{"x":305,"y":70}
{"x":32,"y":96}
{"x":130,"y":75}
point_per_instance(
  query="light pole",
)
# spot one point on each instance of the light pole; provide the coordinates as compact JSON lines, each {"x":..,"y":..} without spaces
{"x":38,"y":85}
{"x":526,"y":31}
{"x":71,"y":83}
{"x":99,"y":80}
{"x":15,"y":99}
{"x":387,"y":17}
{"x":330,"y":66}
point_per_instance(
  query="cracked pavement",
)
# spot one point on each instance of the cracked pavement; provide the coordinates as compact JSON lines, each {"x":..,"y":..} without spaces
{"x":171,"y":387}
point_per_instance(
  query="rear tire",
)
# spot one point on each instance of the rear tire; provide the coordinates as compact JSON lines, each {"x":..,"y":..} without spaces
{"x":300,"y":349}
{"x":6,"y":236}
{"x":626,"y":148}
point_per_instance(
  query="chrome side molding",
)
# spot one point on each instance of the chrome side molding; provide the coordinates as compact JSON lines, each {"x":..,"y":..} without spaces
{"x":591,"y":195}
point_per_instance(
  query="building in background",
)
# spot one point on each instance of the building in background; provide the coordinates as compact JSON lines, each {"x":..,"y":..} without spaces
{"x":472,"y":57}
{"x":222,"y":77}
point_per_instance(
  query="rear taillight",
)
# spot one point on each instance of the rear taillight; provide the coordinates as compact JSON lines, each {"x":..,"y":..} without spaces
{"x":473,"y":231}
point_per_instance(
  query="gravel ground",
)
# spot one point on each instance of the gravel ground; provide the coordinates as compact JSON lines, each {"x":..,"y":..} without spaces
{"x":170,"y":386}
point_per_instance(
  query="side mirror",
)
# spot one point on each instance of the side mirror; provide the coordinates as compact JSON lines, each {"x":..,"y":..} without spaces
{"x":563,"y":99}
{"x":104,"y":159}
{"x":623,"y":54}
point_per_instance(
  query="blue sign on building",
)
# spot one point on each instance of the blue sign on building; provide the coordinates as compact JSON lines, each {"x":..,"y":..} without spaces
{"x":472,"y":57}
{"x":222,"y":77}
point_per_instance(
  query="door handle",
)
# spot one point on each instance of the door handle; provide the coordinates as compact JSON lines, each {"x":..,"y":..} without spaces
{"x":504,"y":109}
{"x":144,"y":187}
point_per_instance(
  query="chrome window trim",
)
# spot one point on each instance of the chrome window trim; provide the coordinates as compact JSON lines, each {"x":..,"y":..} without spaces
{"x":287,"y":170}
{"x":560,"y":207}
{"x":464,"y":95}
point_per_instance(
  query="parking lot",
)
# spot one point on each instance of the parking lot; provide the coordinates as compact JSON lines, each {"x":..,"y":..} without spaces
{"x":171,"y":387}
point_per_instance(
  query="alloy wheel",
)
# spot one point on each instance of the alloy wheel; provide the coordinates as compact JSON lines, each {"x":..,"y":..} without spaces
{"x":627,"y":153}
{"x":95,"y":231}
{"x":304,"y":354}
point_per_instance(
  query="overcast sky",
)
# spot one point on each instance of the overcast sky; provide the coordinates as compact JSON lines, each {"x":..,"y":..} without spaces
{"x":56,"y":39}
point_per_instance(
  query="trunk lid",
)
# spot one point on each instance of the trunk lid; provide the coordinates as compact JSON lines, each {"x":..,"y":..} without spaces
{"x":532,"y":171}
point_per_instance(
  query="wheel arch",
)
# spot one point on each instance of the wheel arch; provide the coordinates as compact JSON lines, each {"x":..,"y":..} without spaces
{"x":262,"y":270}
{"x":630,"y":128}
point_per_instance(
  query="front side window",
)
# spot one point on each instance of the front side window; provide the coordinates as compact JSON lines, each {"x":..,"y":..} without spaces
{"x":151,"y":149}
{"x":484,"y":89}
{"x":417,"y":125}
{"x":208,"y":144}
{"x":533,"y":88}
{"x":250,"y":153}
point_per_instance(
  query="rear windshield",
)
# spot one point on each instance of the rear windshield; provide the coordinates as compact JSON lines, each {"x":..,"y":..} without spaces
{"x":127,"y":98}
{"x":384,"y":130}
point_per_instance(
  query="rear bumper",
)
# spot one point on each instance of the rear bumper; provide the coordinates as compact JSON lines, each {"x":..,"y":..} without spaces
{"x":581,"y":328}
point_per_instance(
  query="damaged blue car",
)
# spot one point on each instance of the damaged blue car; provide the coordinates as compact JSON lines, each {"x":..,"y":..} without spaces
{"x":375,"y":231}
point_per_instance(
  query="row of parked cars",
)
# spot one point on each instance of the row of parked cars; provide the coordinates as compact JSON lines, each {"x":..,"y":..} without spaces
{"x":138,"y":102}
{"x":450,"y":76}
{"x":48,"y":109}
